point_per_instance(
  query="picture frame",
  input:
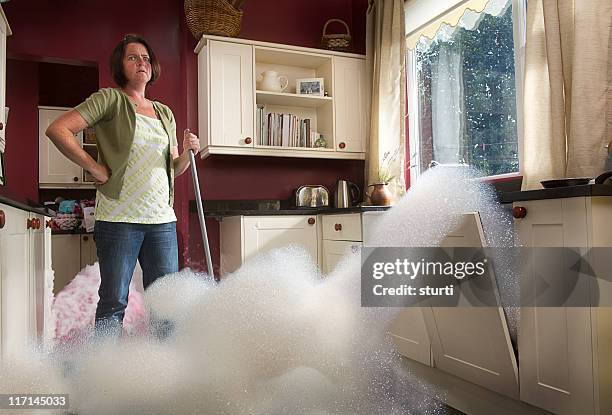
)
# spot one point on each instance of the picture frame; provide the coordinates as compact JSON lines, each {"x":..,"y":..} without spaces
{"x":310,"y":86}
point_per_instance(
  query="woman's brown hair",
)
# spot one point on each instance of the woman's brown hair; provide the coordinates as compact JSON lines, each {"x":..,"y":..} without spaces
{"x":116,"y":60}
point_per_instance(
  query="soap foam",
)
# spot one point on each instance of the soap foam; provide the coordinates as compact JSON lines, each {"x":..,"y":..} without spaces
{"x":275,"y":337}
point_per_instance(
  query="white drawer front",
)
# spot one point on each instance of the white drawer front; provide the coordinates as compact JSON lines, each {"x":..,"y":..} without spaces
{"x":342,"y":227}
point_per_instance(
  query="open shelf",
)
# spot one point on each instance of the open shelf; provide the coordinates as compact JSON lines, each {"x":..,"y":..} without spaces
{"x":291,"y":100}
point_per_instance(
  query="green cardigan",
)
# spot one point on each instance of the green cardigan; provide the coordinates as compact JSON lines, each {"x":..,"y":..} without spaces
{"x":113,"y":117}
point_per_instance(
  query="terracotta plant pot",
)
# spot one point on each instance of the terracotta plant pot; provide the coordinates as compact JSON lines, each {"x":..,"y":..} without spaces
{"x":380,"y":195}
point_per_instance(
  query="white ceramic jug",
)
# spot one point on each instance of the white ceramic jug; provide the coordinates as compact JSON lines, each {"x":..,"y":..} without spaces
{"x":273,"y":82}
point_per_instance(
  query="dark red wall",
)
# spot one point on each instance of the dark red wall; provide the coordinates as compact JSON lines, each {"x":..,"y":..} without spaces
{"x":21,"y":155}
{"x":300,"y":22}
{"x":86,"y":31}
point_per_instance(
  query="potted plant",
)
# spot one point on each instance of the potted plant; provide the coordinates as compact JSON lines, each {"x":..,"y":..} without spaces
{"x":380,"y":195}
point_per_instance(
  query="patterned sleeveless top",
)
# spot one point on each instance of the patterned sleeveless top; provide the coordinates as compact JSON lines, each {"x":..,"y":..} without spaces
{"x":145,"y":191}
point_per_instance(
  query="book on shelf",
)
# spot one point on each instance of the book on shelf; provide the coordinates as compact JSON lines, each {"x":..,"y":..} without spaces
{"x":283,"y":129}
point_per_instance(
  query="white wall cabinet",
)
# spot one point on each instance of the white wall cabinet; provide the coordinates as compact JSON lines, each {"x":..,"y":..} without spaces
{"x":231,"y":95}
{"x":242,"y":237}
{"x":352,"y":98}
{"x":5,"y":31}
{"x":228,"y":98}
{"x":54,"y":169}
{"x":71,"y":253}
{"x":565,"y":363}
{"x":25,"y":281}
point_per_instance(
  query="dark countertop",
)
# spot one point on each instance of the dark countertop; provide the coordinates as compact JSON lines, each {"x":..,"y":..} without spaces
{"x":19,"y":205}
{"x":216,"y":209}
{"x":557,"y":193}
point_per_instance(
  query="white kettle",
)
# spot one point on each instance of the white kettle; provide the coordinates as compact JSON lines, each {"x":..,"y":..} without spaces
{"x":273,"y":82}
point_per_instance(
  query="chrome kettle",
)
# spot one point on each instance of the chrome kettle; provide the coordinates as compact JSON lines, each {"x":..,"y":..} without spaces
{"x":347,"y":194}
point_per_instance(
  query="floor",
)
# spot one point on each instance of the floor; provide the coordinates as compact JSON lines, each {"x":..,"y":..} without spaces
{"x":436,"y":392}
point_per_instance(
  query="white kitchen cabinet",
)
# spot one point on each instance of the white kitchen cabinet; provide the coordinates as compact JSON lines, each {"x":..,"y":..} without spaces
{"x":71,"y":253}
{"x":88,"y":250}
{"x":408,"y":331}
{"x":5,"y":31}
{"x":228,"y":98}
{"x":565,"y":363}
{"x":54,"y":169}
{"x":242,"y":237}
{"x":334,"y":251}
{"x":231,"y":95}
{"x":341,"y":234}
{"x":352,"y":99}
{"x":41,"y":293}
{"x":470,"y":342}
{"x":25,"y":278}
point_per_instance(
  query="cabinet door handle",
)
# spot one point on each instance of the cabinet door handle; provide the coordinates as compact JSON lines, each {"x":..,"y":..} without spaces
{"x":248,"y":140}
{"x":85,"y":238}
{"x":338,"y":227}
{"x":29,"y":224}
{"x":75,"y":179}
{"x":519,"y":212}
{"x":1,"y":126}
{"x":48,"y":223}
{"x":311,"y":221}
{"x":342,"y":145}
{"x":2,"y":219}
{"x":35,"y":223}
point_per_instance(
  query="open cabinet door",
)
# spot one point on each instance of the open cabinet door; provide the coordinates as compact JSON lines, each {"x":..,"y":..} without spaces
{"x":473,"y":343}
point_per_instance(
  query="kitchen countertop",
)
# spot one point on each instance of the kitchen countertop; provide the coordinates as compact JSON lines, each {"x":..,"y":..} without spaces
{"x":20,"y":205}
{"x":220,"y":209}
{"x":557,"y":193}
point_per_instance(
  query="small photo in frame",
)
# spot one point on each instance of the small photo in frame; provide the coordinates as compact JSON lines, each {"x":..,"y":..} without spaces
{"x":309,"y":86}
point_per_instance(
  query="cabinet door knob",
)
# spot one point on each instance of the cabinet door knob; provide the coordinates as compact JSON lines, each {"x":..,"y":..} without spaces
{"x":2,"y":219}
{"x":85,"y":238}
{"x":248,"y":140}
{"x":338,"y":227}
{"x":311,"y":221}
{"x":35,"y":223}
{"x":48,"y":223}
{"x":519,"y":212}
{"x":29,"y":224}
{"x":75,"y":179}
{"x":342,"y":145}
{"x":1,"y":126}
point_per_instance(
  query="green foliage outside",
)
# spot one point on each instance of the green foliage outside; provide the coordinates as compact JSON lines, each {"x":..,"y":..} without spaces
{"x":489,"y":132}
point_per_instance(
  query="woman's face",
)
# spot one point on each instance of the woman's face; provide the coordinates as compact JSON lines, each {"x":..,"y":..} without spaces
{"x":136,"y":63}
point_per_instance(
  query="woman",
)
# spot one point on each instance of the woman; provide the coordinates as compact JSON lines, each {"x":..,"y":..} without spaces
{"x":134,"y":175}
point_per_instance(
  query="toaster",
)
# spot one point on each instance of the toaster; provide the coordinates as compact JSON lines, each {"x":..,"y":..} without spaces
{"x":312,"y":196}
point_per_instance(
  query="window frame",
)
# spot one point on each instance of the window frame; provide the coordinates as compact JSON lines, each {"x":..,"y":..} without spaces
{"x":519,"y":18}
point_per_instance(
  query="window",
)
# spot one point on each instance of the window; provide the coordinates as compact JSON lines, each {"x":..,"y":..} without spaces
{"x":464,"y":86}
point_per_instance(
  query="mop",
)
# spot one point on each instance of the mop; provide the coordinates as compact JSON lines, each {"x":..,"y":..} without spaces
{"x":196,"y":189}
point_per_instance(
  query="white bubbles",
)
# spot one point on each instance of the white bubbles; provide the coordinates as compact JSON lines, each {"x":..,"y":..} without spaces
{"x":275,"y":337}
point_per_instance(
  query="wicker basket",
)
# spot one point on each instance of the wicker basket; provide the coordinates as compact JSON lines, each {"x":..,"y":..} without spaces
{"x":213,"y":17}
{"x":336,"y":41}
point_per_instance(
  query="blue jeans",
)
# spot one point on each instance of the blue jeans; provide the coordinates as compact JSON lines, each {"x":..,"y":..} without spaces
{"x":119,"y":245}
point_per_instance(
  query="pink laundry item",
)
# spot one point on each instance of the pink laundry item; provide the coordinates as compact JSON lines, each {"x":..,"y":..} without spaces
{"x":74,"y":307}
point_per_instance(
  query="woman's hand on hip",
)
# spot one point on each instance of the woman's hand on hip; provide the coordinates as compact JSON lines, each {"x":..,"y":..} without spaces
{"x":101,"y":173}
{"x":190,"y":142}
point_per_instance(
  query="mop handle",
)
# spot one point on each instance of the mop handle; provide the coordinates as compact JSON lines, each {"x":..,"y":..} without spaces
{"x":196,"y":189}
